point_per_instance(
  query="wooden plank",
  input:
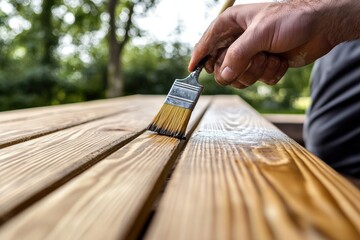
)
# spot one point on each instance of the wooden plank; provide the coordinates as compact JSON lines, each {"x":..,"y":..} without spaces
{"x":22,"y":125}
{"x":31,"y":113}
{"x":30,"y":169}
{"x":241,"y":178}
{"x":110,"y":200}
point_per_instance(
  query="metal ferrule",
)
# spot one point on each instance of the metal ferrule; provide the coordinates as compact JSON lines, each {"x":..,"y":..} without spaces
{"x":185,"y":92}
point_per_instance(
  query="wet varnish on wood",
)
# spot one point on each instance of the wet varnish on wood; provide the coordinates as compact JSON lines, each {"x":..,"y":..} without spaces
{"x":240,"y":178}
{"x":91,"y":171}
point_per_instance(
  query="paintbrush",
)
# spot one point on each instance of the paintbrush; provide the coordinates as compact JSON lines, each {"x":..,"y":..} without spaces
{"x":174,"y":115}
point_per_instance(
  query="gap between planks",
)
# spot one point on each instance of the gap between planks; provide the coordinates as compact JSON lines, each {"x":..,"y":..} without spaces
{"x":38,"y":112}
{"x":139,"y":215}
{"x":241,"y":178}
{"x":23,"y":125}
{"x":31,"y":169}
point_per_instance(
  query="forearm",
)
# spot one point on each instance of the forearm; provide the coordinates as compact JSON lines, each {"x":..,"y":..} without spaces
{"x":339,"y":19}
{"x":345,"y":24}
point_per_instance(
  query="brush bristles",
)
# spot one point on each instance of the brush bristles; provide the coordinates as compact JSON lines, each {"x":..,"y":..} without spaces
{"x":171,"y":121}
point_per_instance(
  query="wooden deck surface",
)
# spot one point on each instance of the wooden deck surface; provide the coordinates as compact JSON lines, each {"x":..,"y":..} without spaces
{"x":91,"y":171}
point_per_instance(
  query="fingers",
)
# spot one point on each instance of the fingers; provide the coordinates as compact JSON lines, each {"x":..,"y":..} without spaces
{"x":275,"y":69}
{"x":239,"y":50}
{"x":253,"y":73}
{"x":264,"y":67}
{"x":238,"y":59}
{"x":215,"y":62}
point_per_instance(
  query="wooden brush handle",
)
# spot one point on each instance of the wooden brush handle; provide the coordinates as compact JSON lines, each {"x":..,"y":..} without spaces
{"x":227,"y":3}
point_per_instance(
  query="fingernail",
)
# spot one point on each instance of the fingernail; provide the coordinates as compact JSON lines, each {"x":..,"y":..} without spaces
{"x":227,"y":74}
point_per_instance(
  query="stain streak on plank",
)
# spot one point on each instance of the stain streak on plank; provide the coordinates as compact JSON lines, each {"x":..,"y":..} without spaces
{"x":17,"y":126}
{"x":31,"y":169}
{"x":98,"y":175}
{"x":241,"y":178}
{"x":112,"y":199}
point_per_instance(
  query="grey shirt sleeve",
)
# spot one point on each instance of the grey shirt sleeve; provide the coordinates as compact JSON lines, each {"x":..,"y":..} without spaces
{"x":332,"y":128}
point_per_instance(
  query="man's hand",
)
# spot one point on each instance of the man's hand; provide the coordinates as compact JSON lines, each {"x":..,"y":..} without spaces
{"x":261,"y":41}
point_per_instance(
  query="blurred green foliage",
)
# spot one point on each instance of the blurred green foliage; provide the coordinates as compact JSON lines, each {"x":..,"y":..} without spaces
{"x":280,"y":98}
{"x":61,"y":57}
{"x":152,"y":69}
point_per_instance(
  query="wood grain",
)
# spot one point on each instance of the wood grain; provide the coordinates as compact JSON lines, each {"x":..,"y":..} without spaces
{"x":241,"y":178}
{"x":30,"y":169}
{"x":22,"y":125}
{"x":31,"y":113}
{"x":111,"y":200}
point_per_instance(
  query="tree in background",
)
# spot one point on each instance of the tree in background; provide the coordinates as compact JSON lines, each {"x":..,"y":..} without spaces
{"x":121,"y":29}
{"x":152,"y":68}
{"x":57,"y":51}
{"x":52,"y":52}
{"x":27,"y":76}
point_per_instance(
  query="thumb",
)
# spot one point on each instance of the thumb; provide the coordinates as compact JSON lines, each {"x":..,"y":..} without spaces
{"x":238,"y":58}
